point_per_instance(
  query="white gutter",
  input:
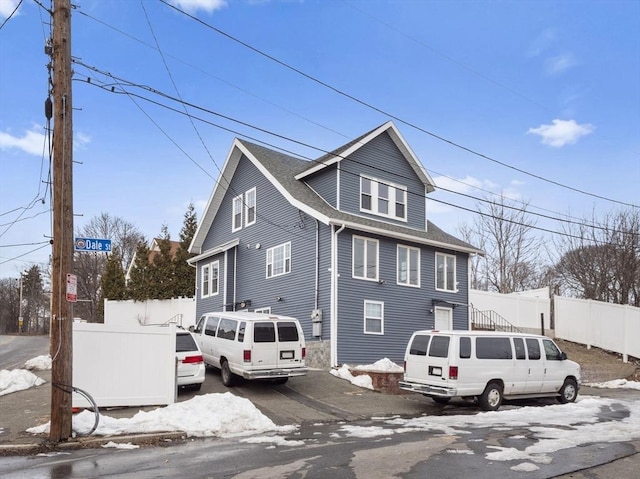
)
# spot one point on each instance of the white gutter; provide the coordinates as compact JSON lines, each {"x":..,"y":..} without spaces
{"x":334,"y":296}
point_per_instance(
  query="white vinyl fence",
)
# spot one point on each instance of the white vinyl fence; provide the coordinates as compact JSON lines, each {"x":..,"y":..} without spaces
{"x":124,"y":366}
{"x":181,"y":311}
{"x":526,"y":311}
{"x":613,"y":327}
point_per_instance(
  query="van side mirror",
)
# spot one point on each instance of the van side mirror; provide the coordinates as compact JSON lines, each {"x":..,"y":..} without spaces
{"x":192,"y":328}
{"x":563,"y":356}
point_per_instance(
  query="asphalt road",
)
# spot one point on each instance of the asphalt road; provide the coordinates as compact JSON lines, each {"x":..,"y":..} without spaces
{"x":325,"y":408}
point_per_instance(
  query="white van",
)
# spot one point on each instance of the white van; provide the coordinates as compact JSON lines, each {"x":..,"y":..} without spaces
{"x":488,"y":366}
{"x":252,"y":345}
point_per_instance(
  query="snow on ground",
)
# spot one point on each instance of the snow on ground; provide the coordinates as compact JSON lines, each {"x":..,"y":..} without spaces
{"x":616,"y":384}
{"x":17,"y":380}
{"x":543,"y":430}
{"x":39,"y":363}
{"x":364,"y":380}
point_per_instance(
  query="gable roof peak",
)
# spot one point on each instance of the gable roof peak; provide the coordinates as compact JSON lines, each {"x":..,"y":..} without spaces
{"x":347,"y":149}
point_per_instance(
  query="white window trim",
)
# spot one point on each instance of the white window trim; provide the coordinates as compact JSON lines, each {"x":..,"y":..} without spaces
{"x":205,"y":268}
{"x":408,"y":282}
{"x":266,"y":310}
{"x":455,"y":283}
{"x":270,"y":251}
{"x":246,"y":207}
{"x":233,"y":213}
{"x":353,"y":258}
{"x":391,"y":200}
{"x":215,"y":265}
{"x":209,"y":283}
{"x":381,"y":318}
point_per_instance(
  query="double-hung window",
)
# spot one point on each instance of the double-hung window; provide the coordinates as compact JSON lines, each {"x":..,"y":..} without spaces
{"x":445,"y":272}
{"x":408,"y":266}
{"x":250,"y":207}
{"x":365,"y":258}
{"x":383,"y":198}
{"x":373,"y":317}
{"x":237,"y":213}
{"x":279,"y":260}
{"x":209,"y":279}
{"x":244,"y":209}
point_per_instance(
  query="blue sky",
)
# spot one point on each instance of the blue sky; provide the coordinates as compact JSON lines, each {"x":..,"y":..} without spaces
{"x":549,"y":89}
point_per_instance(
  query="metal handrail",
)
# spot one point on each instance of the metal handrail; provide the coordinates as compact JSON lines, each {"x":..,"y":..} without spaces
{"x":490,"y":321}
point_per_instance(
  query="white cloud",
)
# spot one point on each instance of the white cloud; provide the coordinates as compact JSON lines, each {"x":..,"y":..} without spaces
{"x":32,"y":142}
{"x":7,"y":7}
{"x":193,"y":6}
{"x":562,"y":132}
{"x":560,"y":63}
{"x":464,"y":185}
{"x":542,"y":42}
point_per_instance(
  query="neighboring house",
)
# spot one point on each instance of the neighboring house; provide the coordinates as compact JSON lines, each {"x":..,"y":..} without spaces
{"x":154,"y":250}
{"x":341,"y":243}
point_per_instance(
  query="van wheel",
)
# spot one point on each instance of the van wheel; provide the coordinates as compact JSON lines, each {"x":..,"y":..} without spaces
{"x":227,"y":375}
{"x":568,"y":391}
{"x":491,"y":398}
{"x":440,"y":400}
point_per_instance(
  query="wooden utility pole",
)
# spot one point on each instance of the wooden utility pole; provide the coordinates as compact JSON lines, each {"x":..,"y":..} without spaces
{"x":61,"y":317}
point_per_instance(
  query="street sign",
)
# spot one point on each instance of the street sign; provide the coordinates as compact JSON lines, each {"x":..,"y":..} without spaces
{"x":72,"y":288}
{"x":93,"y":245}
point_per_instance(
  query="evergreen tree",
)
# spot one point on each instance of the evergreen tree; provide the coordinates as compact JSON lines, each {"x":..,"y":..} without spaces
{"x":162,"y":267}
{"x":113,"y":281}
{"x":185,"y":275}
{"x":139,"y":285}
{"x":35,"y":303}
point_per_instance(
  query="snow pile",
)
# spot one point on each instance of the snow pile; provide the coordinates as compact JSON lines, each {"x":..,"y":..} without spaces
{"x":615,"y":384}
{"x":222,"y":415}
{"x":362,"y":381}
{"x":39,"y":363}
{"x":384,"y":365}
{"x":17,"y":380}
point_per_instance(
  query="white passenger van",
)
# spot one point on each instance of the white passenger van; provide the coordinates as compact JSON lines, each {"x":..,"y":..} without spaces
{"x":488,"y":366}
{"x":252,"y":345}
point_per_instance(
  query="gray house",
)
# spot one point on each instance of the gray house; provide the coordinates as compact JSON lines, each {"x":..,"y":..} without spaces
{"x":341,"y":243}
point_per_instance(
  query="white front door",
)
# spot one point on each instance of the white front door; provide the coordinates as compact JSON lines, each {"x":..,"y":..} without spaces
{"x":443,"y":319}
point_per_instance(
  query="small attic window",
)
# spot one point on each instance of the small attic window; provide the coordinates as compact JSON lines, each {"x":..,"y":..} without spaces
{"x":383,"y":198}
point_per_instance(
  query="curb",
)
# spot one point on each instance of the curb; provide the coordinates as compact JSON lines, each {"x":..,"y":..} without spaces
{"x":142,"y":440}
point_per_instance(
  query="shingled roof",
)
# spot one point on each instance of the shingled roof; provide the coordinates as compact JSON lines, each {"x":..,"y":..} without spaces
{"x":287,"y":173}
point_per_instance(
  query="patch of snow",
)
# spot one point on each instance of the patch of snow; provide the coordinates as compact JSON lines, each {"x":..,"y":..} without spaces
{"x":17,"y":380}
{"x":616,"y":384}
{"x":120,"y":445}
{"x":384,"y":365}
{"x":39,"y":363}
{"x":363,"y":380}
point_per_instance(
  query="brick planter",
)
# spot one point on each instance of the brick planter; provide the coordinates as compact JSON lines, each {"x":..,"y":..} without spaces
{"x":385,"y":382}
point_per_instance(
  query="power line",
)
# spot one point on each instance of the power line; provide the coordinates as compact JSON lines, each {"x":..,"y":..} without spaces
{"x":106,"y":88}
{"x":390,"y":115}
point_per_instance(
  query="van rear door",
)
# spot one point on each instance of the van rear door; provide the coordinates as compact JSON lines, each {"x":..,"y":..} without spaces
{"x":264,"y":353}
{"x":289,"y":344}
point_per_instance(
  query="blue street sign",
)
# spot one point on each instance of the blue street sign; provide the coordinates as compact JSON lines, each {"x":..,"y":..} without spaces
{"x":93,"y":244}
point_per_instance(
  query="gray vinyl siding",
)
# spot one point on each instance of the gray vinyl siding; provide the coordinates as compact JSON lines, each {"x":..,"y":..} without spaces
{"x":406,"y":309}
{"x":325,"y":183}
{"x":211,"y":303}
{"x":381,"y":159}
{"x":277,"y":222}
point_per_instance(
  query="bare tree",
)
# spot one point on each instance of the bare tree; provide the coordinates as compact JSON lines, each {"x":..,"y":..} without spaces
{"x":600,"y":259}
{"x":89,"y":267}
{"x":505,"y":232}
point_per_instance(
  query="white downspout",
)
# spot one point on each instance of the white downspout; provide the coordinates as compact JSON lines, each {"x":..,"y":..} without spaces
{"x":334,"y":296}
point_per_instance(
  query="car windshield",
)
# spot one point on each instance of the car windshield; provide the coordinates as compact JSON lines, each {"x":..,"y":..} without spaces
{"x":185,"y":342}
